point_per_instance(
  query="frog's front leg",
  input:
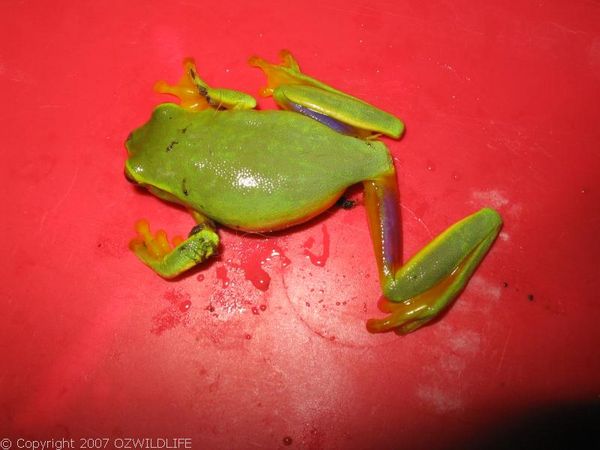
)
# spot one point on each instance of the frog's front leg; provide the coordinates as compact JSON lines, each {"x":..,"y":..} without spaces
{"x":195,"y":94}
{"x":171,"y":259}
{"x":422,"y":288}
{"x":293,"y":90}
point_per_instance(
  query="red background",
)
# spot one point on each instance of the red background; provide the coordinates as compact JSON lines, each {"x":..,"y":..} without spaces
{"x":501,"y":106}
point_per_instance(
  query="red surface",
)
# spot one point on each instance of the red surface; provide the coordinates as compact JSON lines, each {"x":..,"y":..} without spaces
{"x":501,"y":105}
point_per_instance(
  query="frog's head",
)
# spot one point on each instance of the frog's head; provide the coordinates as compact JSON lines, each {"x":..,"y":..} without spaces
{"x":135,"y":173}
{"x":147,"y":147}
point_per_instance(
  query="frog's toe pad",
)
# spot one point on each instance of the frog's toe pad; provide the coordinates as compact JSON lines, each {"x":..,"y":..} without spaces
{"x":149,"y":246}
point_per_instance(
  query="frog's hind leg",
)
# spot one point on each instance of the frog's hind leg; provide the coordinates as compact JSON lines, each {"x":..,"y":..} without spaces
{"x":426,"y":285}
{"x":293,"y":90}
{"x":171,"y":259}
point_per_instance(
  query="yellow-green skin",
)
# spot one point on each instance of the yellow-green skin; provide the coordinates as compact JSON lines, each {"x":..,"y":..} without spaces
{"x":247,"y":169}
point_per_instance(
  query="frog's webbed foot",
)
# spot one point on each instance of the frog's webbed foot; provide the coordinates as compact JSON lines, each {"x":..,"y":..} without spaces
{"x":291,"y":89}
{"x":171,"y":259}
{"x":287,"y":72}
{"x":195,"y":94}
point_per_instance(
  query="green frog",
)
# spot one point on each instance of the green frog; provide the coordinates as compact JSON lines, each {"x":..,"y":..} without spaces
{"x":232,"y":165}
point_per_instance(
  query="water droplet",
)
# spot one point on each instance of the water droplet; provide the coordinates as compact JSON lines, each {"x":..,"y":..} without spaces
{"x":254,"y":259}
{"x":200,"y":277}
{"x":257,"y":276}
{"x":254,"y":310}
{"x":222,"y":275}
{"x":430,"y":166}
{"x":248,"y":336}
{"x":318,"y":260}
{"x":584,"y":191}
{"x":287,"y":440}
{"x":185,"y":306}
{"x":455,"y":176}
{"x":263,"y":307}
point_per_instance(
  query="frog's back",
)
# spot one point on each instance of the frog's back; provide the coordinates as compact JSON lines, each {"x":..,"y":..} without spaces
{"x":252,"y":170}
